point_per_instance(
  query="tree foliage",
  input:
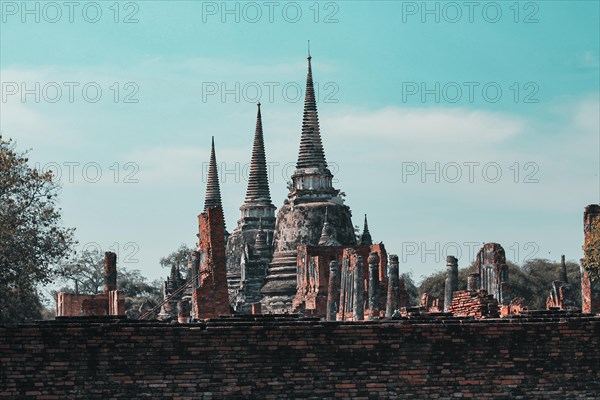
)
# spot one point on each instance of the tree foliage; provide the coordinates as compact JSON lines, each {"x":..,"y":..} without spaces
{"x":85,"y":272}
{"x":411,"y":289}
{"x":32,"y":240}
{"x":177,"y":258}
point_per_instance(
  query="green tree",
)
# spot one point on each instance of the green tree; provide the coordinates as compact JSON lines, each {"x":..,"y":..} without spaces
{"x":411,"y":288}
{"x":32,"y":239}
{"x":137,"y":289}
{"x":177,"y":258}
{"x":85,"y":272}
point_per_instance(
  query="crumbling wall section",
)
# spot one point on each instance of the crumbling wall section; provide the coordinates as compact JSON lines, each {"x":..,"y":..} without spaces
{"x":476,"y":304}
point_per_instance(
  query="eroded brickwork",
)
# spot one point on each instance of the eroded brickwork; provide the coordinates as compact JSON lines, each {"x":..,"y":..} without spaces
{"x":210,"y":297}
{"x":590,"y":290}
{"x":531,"y":358}
{"x":493,"y":271}
{"x":476,"y":304}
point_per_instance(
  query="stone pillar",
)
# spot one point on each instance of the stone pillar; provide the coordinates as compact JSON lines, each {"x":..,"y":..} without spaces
{"x":110,"y":272}
{"x":333,"y":290}
{"x":451,"y":281}
{"x":373,"y":262}
{"x":183,"y":311}
{"x":195,"y":255}
{"x":473,"y":282}
{"x":393,"y":292}
{"x":359,"y":290}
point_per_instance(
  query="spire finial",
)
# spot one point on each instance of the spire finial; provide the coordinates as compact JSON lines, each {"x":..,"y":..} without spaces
{"x":258,"y":181}
{"x":311,"y":154}
{"x":213,"y":191}
{"x":365,"y":239}
{"x":309,"y":57}
{"x":327,"y":233}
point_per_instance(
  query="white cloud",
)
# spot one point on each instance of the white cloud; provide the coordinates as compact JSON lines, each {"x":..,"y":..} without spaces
{"x":432,"y":125}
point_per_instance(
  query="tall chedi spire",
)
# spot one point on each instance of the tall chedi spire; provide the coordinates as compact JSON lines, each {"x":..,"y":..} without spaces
{"x":258,"y":181}
{"x":256,"y":224}
{"x":213,"y":191}
{"x":258,"y":197}
{"x":311,"y":154}
{"x":365,"y":238}
{"x":311,"y":178}
{"x":302,"y":219}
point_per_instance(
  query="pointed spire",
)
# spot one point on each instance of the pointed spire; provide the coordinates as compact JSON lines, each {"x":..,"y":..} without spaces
{"x":365,"y":239}
{"x":563,"y":270}
{"x":311,"y":154}
{"x":327,"y":233}
{"x":213,"y":192}
{"x":258,"y":181}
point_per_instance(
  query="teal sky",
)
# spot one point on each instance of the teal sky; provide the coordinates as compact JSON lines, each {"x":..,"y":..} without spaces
{"x":367,"y":55}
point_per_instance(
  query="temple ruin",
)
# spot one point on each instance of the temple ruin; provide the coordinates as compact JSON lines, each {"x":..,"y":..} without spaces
{"x":110,"y":302}
{"x":308,"y":259}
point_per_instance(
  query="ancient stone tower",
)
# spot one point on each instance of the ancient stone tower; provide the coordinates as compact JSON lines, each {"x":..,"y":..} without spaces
{"x":210,"y":297}
{"x":300,"y":219}
{"x":257,"y":208}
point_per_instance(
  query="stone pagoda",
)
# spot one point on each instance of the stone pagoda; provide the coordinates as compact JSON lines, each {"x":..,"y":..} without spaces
{"x":257,"y":219}
{"x":300,"y":220}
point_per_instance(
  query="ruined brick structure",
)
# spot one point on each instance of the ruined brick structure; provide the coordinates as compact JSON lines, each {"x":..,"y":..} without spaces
{"x":110,"y":302}
{"x":356,"y":283}
{"x":431,"y":303}
{"x":590,"y":290}
{"x":477,"y":304}
{"x":493,"y":271}
{"x":210,"y":295}
{"x":313,"y":284}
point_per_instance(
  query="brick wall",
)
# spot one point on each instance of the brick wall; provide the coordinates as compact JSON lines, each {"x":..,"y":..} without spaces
{"x":516,"y":357}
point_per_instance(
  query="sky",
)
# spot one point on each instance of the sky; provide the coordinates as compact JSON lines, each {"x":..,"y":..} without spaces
{"x":450,"y":124}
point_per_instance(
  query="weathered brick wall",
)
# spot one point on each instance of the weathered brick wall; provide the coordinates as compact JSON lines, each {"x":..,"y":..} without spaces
{"x":515,"y":358}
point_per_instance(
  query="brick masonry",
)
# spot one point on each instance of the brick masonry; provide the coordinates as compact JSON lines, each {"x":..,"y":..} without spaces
{"x":549,"y":356}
